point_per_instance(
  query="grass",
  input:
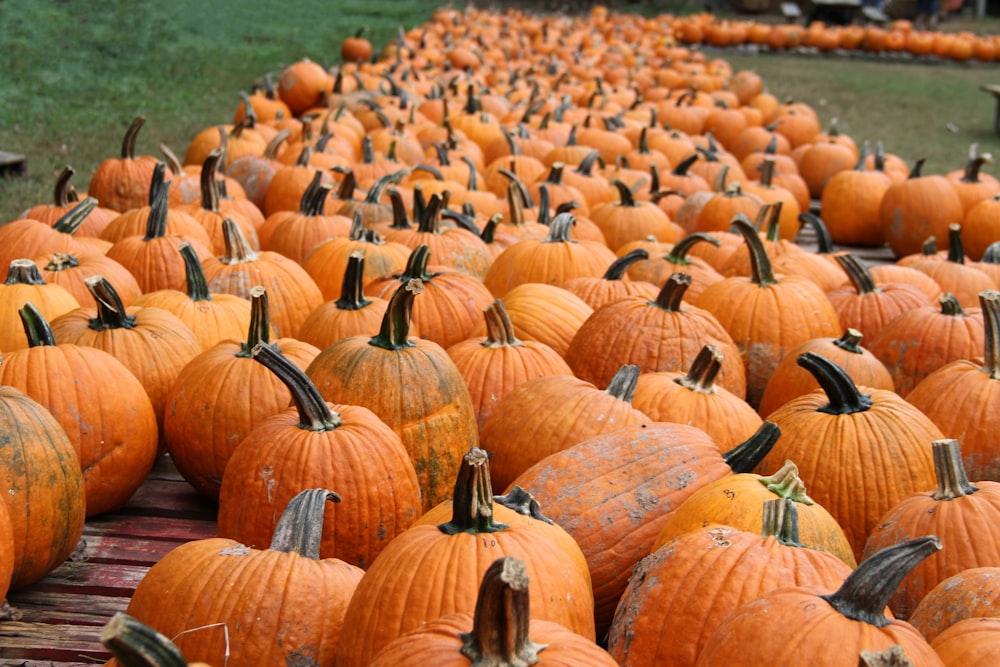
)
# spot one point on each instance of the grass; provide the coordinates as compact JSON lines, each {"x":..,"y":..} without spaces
{"x":76,"y":73}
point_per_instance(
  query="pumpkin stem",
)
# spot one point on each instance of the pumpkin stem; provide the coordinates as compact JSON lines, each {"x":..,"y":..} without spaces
{"x":705,"y":367}
{"x":678,"y":254}
{"x":110,"y":309}
{"x":499,"y":633}
{"x":929,"y":246}
{"x":300,"y":528}
{"x":135,"y":644}
{"x":314,"y":413}
{"x":60,"y":193}
{"x":786,"y":483}
{"x":894,"y":656}
{"x":745,"y":456}
{"x":845,"y":399}
{"x":128,"y":142}
{"x":472,"y":501}
{"x":396,"y":321}
{"x":917,"y":168}
{"x":672,"y":293}
{"x":156,"y":223}
{"x":622,"y":385}
{"x":858,"y":274}
{"x":618,"y":267}
{"x":352,"y":292}
{"x":559,"y":229}
{"x":850,"y":341}
{"x":522,"y":502}
{"x":60,"y":261}
{"x":499,"y":328}
{"x":313,"y":198}
{"x":866,"y":591}
{"x":238,"y":250}
{"x":194,"y":275}
{"x":824,"y":242}
{"x":761,"y":272}
{"x":416,"y":264}
{"x":956,"y":251}
{"x":950,"y":305}
{"x":23,"y":272}
{"x":626,"y":198}
{"x":989,"y":300}
{"x":209,"y":187}
{"x":781,"y":521}
{"x":36,"y":329}
{"x":259,"y":332}
{"x":76,"y":216}
{"x":430,"y":220}
{"x":953,"y":482}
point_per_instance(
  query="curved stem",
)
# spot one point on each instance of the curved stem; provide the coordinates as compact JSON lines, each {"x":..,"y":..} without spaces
{"x":678,"y":254}
{"x":111,"y":312}
{"x":128,"y":142}
{"x":209,"y":186}
{"x":858,"y":273}
{"x":156,"y":223}
{"x":352,"y":292}
{"x":760,"y":264}
{"x":416,"y":264}
{"x":60,"y":194}
{"x":522,"y":502}
{"x":135,"y":644}
{"x":499,"y":328}
{"x":430,"y":221}
{"x":300,"y":528}
{"x":623,"y":383}
{"x":950,"y":305}
{"x":866,"y":591}
{"x":472,"y":500}
{"x":625,"y":196}
{"x":953,"y":482}
{"x":259,"y":332}
{"x":559,"y":229}
{"x":314,"y":413}
{"x":704,"y":369}
{"x":197,"y":286}
{"x":36,"y":329}
{"x":395,"y":329}
{"x":76,"y":216}
{"x":672,"y":293}
{"x":238,"y":250}
{"x":745,"y":456}
{"x":786,"y":483}
{"x":500,"y":623}
{"x":845,"y":399}
{"x":618,"y":267}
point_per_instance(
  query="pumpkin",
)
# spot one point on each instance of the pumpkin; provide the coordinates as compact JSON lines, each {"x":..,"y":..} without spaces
{"x":429,"y":571}
{"x":183,"y":591}
{"x":295,"y":233}
{"x":980,"y":228}
{"x":132,"y":643}
{"x":42,"y":486}
{"x":614,"y":284}
{"x":502,"y":630}
{"x":841,"y":624}
{"x":667,"y":259}
{"x":123,"y":183}
{"x":70,"y":271}
{"x":114,"y":433}
{"x":971,"y":641}
{"x":918,"y":342}
{"x":630,"y":219}
{"x":24,"y":283}
{"x":340,"y":445}
{"x":356,"y":48}
{"x":790,"y":380}
{"x":953,"y":275}
{"x":237,"y":393}
{"x":916,"y":208}
{"x":27,"y":237}
{"x":971,"y":593}
{"x":65,"y":200}
{"x":766,"y":316}
{"x":411,"y":384}
{"x":725,"y":568}
{"x":209,"y":210}
{"x":851,"y":204}
{"x":612,"y":492}
{"x":860,"y":453}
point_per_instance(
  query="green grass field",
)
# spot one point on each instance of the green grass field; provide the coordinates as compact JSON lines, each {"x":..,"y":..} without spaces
{"x":76,"y":73}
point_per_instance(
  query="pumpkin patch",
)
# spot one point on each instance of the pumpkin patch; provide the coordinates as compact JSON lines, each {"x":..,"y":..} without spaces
{"x":567,"y":259}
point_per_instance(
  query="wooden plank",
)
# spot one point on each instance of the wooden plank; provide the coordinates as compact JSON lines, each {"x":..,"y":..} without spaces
{"x":158,"y":497}
{"x":152,"y":527}
{"x":124,"y":550}
{"x":38,"y":606}
{"x":81,"y":578}
{"x":51,"y":642}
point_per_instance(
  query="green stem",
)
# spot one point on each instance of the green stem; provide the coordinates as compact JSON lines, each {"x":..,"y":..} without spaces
{"x":989,"y":301}
{"x":786,"y":483}
{"x":395,"y":329}
{"x":36,"y":329}
{"x":762,"y":274}
{"x":300,"y":528}
{"x":950,"y":305}
{"x":314,"y":413}
{"x":678,"y":254}
{"x":194,"y":275}
{"x":781,"y":521}
{"x":858,"y":273}
{"x":209,"y":188}
{"x":866,"y":591}
{"x":956,"y":251}
{"x":76,"y":216}
{"x":111,"y":312}
{"x":259,"y":332}
{"x":156,"y":223}
{"x":843,"y":394}
{"x":745,"y":456}
{"x":618,"y":267}
{"x":352,"y":292}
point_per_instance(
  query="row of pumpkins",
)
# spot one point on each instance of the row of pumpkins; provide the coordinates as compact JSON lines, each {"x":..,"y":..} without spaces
{"x":898,"y":37}
{"x":541,"y":256}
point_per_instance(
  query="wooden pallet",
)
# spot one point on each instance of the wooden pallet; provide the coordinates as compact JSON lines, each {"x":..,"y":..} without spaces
{"x":57,"y":621}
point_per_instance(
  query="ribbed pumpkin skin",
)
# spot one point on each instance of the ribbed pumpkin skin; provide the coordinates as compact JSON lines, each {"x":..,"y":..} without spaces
{"x":50,"y":299}
{"x":156,"y":263}
{"x":634,"y":331}
{"x":156,"y":349}
{"x":424,"y":574}
{"x":42,"y":487}
{"x":972,"y":593}
{"x":684,"y":589}
{"x":551,"y":263}
{"x":869,"y":313}
{"x":237,"y":392}
{"x":268,"y":600}
{"x":613,"y":492}
{"x":438,"y":643}
{"x":974,"y":641}
{"x":917,"y":208}
{"x":786,"y":627}
{"x":363,"y":457}
{"x":417,"y":391}
{"x":327,"y":262}
{"x":222,"y":317}
{"x":90,"y":264}
{"x":857,"y":466}
{"x":546,"y":415}
{"x":738,"y":500}
{"x":114,"y":432}
{"x":953,"y":521}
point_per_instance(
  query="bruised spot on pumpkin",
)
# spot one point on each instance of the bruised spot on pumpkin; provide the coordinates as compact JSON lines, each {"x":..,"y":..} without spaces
{"x":239,"y":550}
